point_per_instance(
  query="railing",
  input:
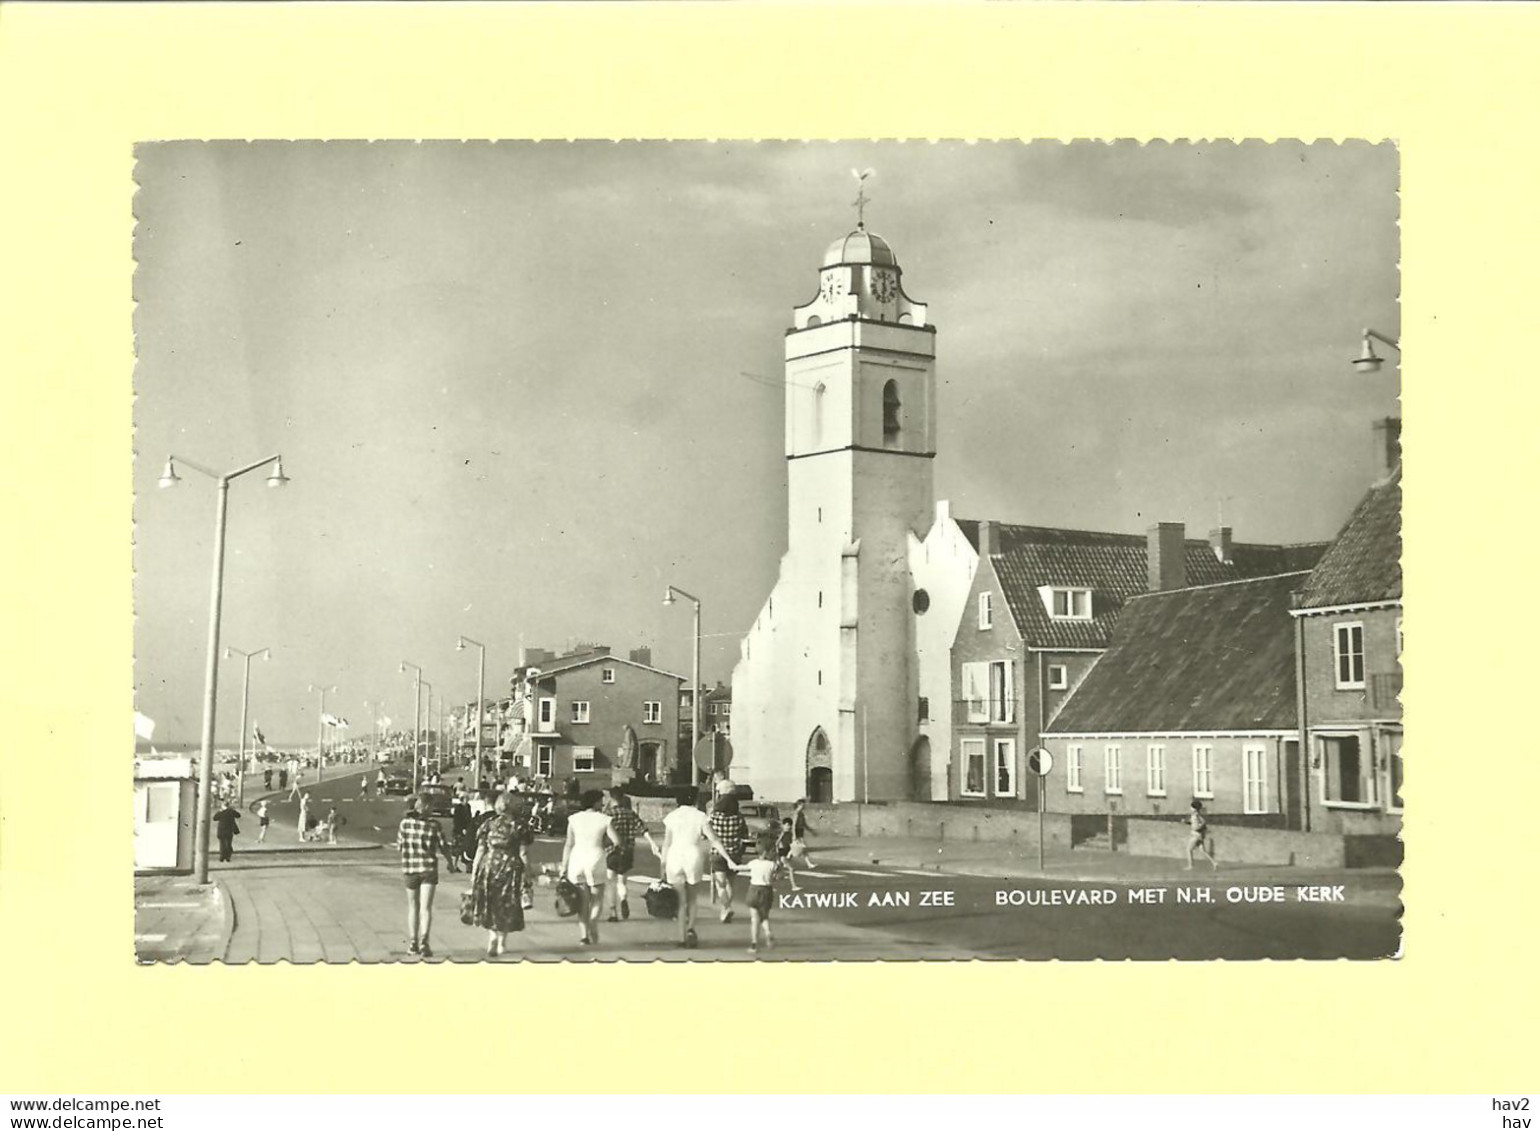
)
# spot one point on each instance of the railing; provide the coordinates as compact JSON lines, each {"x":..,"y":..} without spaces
{"x":984,"y":710}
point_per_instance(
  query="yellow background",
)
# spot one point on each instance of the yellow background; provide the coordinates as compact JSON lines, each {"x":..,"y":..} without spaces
{"x":1456,"y":85}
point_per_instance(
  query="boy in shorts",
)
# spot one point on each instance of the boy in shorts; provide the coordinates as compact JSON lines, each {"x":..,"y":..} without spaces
{"x":761,"y":897}
{"x":419,"y":840}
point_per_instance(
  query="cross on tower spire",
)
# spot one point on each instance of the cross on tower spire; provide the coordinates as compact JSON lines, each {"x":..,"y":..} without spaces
{"x":861,"y":200}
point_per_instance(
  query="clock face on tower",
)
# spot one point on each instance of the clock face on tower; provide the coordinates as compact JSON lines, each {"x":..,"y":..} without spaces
{"x":833,"y":286}
{"x":884,"y":287}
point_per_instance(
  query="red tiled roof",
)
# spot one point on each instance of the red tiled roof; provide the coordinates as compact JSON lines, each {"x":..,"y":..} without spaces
{"x":1115,"y":567}
{"x":1364,"y":563}
{"x":1216,"y":658}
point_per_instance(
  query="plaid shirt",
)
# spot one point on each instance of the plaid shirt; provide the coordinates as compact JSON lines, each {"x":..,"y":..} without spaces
{"x":731,"y":831}
{"x":628,"y":826}
{"x":420,"y":841}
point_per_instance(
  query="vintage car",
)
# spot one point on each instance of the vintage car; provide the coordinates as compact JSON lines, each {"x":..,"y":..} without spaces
{"x":398,"y":782}
{"x":762,"y":818}
{"x":437,"y":800}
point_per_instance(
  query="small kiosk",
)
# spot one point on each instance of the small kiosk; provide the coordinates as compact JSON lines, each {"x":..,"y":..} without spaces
{"x":165,"y":808}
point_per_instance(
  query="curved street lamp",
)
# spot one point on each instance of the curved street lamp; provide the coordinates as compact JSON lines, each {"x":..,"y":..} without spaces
{"x":481,"y":692}
{"x":1367,"y":360}
{"x":416,"y":712}
{"x":669,"y":594}
{"x":169,"y":478}
{"x":240,"y":772}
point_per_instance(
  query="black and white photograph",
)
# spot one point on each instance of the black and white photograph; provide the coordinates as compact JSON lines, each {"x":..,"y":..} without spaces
{"x":779,"y":551}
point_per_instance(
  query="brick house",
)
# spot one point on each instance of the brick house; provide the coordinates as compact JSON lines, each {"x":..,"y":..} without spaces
{"x":595,"y":719}
{"x":1195,"y":698}
{"x":1347,"y":620}
{"x":1041,"y":612}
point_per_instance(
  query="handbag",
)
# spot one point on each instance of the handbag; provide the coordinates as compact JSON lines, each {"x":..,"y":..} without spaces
{"x":662,"y":900}
{"x":468,"y":908}
{"x":566,"y":898}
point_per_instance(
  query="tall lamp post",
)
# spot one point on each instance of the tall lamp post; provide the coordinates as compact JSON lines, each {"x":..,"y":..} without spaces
{"x":416,"y":712}
{"x":169,"y":478}
{"x":427,"y":721}
{"x":481,"y":691}
{"x":669,"y":594}
{"x":320,"y":732}
{"x":240,"y":771}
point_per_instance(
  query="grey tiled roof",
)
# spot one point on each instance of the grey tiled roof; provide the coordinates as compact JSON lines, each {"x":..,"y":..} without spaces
{"x":1115,"y":567}
{"x":1217,"y":658}
{"x":1364,"y":563}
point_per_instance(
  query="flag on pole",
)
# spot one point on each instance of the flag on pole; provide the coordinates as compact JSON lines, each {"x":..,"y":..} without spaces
{"x":257,"y":733}
{"x":331,"y":720}
{"x":383,"y":722}
{"x":144,"y":726}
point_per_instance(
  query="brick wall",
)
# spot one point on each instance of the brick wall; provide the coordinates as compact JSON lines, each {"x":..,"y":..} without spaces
{"x":1227,"y":779}
{"x":1325,"y":703}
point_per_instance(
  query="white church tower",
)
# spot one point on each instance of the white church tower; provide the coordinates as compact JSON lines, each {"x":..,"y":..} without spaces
{"x":825,"y":691}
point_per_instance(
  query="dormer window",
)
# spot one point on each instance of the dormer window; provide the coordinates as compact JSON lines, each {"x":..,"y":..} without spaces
{"x":1063,"y":603}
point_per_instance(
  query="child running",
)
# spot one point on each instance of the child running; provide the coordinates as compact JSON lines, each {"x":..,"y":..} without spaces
{"x":783,"y":851}
{"x":761,"y":874}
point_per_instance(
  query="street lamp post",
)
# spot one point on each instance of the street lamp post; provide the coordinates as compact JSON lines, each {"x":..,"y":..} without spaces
{"x":416,"y":712}
{"x":320,"y":732}
{"x":169,"y":478}
{"x":481,"y":691}
{"x":1367,"y":360}
{"x":668,"y":599}
{"x":427,"y":723}
{"x":240,"y":770}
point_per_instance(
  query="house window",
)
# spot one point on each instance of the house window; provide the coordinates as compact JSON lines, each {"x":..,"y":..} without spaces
{"x":547,"y":713}
{"x":986,"y":610}
{"x":973,"y":767}
{"x":1350,"y":655}
{"x":652,"y":711}
{"x":543,"y":756}
{"x":1058,"y":677}
{"x":1203,"y":771}
{"x":1005,"y":767}
{"x":1155,"y":771}
{"x":924,"y":709}
{"x":1070,"y":604}
{"x":607,"y":675}
{"x":1114,"y":768}
{"x":580,"y":710}
{"x":727,"y":709}
{"x":975,"y":689}
{"x":1346,"y":776}
{"x":582,"y":759}
{"x":1254,"y":778}
{"x":1074,"y":762}
{"x":1002,"y":698}
{"x":1392,"y":744}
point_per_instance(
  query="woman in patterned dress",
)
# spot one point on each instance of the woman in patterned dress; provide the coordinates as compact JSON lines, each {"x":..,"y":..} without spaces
{"x":497,"y":875}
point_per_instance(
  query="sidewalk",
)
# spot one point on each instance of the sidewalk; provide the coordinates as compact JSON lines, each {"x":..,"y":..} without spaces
{"x":347,"y":913}
{"x":177,"y":918}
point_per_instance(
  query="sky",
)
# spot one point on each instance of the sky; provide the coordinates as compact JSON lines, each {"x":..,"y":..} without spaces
{"x":519,"y":388}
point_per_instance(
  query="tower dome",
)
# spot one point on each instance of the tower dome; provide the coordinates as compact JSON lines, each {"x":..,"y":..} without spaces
{"x":860,"y":248}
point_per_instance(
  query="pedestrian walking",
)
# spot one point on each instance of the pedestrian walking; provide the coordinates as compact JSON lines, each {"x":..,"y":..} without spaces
{"x":267,"y":778}
{"x":687,"y":836}
{"x":419,"y":840}
{"x":283,"y":778}
{"x":582,"y":860}
{"x":498,"y":874}
{"x":799,"y":835}
{"x":462,"y":846}
{"x":304,"y":816}
{"x":227,"y":829}
{"x":262,"y":821}
{"x":786,"y":845}
{"x":1197,"y":838}
{"x":626,"y":826}
{"x":761,"y":872}
{"x":731,"y":831}
{"x":331,"y":825}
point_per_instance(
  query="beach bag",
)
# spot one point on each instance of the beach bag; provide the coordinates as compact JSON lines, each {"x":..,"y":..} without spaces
{"x":662,"y":900}
{"x":526,"y":895}
{"x":566,"y":898}
{"x":468,"y":908}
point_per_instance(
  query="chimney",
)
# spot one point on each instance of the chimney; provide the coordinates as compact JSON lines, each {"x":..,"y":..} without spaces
{"x":534,"y":657}
{"x":1387,"y":447}
{"x":1168,"y":556}
{"x":1220,"y":541}
{"x":986,"y":538}
{"x":641,"y":656}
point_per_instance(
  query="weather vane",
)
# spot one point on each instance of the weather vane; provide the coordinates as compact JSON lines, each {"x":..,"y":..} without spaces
{"x":861,"y":200}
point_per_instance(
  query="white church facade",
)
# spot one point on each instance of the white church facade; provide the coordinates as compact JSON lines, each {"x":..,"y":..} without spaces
{"x":842,"y":691}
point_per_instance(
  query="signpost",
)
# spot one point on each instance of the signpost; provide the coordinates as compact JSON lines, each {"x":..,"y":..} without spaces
{"x":713,"y":752}
{"x":1040,"y":762}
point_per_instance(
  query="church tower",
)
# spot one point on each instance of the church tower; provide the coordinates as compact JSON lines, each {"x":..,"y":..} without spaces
{"x":824,"y":695}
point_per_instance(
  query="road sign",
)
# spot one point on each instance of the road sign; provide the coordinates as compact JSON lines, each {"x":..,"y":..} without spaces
{"x":713,"y":752}
{"x":1039,"y":761}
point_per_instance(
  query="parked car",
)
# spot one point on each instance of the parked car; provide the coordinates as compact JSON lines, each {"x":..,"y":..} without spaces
{"x":398,"y":782}
{"x":761,"y":818}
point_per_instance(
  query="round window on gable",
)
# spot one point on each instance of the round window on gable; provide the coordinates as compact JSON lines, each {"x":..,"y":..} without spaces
{"x":921,"y":601}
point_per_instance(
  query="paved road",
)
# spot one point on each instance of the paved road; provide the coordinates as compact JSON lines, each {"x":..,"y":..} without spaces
{"x":846,"y":910}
